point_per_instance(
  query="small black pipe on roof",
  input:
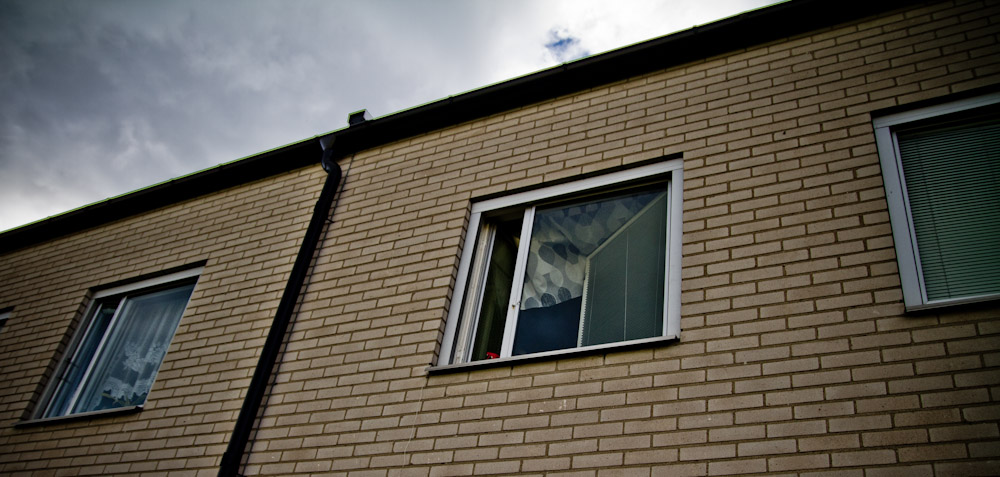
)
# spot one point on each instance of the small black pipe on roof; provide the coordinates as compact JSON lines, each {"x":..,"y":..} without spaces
{"x":236,"y":449}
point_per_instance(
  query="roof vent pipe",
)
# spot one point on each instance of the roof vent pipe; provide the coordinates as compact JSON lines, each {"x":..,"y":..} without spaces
{"x":358,"y":117}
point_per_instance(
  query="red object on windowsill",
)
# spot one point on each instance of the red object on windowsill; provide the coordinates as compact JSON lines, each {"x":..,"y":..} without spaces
{"x":491,"y":355}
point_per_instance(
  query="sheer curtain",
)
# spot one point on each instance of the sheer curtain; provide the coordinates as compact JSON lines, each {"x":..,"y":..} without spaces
{"x":133,"y":347}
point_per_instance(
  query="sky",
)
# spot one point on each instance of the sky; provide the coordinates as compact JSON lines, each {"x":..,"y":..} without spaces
{"x":102,"y":97}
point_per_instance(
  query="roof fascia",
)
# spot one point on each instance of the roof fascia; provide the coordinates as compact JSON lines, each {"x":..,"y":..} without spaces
{"x":741,"y":31}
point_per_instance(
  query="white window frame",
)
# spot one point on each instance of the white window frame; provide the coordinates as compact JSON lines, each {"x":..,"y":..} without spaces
{"x":900,"y":218}
{"x":135,"y":288}
{"x":671,"y":169}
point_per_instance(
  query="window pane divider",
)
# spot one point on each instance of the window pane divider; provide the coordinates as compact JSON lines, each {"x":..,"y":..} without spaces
{"x":97,"y":353}
{"x":458,"y":295}
{"x":67,"y":366}
{"x":667,"y":299}
{"x":468,"y":328}
{"x":115,"y":411}
{"x":150,"y":282}
{"x":510,"y":326}
{"x":914,"y":248}
{"x":672,"y":261}
{"x":566,"y":352}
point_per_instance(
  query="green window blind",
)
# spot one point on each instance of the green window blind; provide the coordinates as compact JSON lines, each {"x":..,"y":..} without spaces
{"x":624,"y":286}
{"x":952,"y":178}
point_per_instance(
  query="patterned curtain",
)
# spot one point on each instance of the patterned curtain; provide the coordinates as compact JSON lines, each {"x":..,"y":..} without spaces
{"x":561,"y":239}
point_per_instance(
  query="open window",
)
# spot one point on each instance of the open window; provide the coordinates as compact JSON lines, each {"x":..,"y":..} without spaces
{"x":584,"y":264}
{"x":941,"y":166}
{"x":120,"y":345}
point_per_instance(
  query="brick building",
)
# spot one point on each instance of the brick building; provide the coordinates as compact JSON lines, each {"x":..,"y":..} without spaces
{"x":739,"y":260}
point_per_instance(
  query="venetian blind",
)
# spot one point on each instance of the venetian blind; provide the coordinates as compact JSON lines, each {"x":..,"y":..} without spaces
{"x":952,"y":178}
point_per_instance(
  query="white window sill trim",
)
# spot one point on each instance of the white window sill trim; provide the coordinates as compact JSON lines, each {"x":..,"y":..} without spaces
{"x":79,"y":416}
{"x":931,"y":305}
{"x":548,"y":355}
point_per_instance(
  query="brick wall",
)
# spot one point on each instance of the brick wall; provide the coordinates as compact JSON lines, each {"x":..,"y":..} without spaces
{"x":795,"y":357}
{"x":248,"y":237}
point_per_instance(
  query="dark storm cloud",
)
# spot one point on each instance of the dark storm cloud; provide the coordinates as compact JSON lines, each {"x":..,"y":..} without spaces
{"x":82,"y":115}
{"x":102,"y":97}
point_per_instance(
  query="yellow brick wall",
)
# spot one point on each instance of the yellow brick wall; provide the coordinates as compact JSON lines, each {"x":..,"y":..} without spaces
{"x":795,"y":357}
{"x":248,"y":236}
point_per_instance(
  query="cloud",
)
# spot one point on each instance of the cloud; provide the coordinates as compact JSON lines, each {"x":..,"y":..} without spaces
{"x":103,"y":97}
{"x":564,"y":47}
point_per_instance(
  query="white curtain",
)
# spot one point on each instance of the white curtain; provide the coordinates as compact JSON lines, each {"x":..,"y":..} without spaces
{"x":124,"y":369}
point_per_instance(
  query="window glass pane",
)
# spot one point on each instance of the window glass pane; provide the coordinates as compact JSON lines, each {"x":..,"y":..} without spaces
{"x":124,"y":370}
{"x":953,"y":185}
{"x":77,"y":366}
{"x":496,"y":294}
{"x":623,"y":296}
{"x":120,"y":352}
{"x":597,"y":239}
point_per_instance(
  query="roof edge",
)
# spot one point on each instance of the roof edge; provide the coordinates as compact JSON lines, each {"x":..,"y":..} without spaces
{"x":736,"y":32}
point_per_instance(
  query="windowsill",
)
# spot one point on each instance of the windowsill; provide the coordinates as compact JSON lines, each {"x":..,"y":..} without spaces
{"x":79,"y":416}
{"x":955,"y":302}
{"x":562,"y":353}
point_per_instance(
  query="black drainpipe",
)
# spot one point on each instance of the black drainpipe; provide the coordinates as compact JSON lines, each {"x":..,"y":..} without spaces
{"x":233,"y":457}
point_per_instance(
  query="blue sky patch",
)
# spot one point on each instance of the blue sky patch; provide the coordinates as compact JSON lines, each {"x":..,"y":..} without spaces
{"x":565,"y":47}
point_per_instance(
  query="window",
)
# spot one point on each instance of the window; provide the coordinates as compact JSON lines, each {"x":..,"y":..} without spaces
{"x":584,"y":264}
{"x":120,"y":346}
{"x":4,"y":315}
{"x":941,"y":167}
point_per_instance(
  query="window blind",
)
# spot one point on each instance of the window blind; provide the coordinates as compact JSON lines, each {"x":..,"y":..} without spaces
{"x":952,"y":176}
